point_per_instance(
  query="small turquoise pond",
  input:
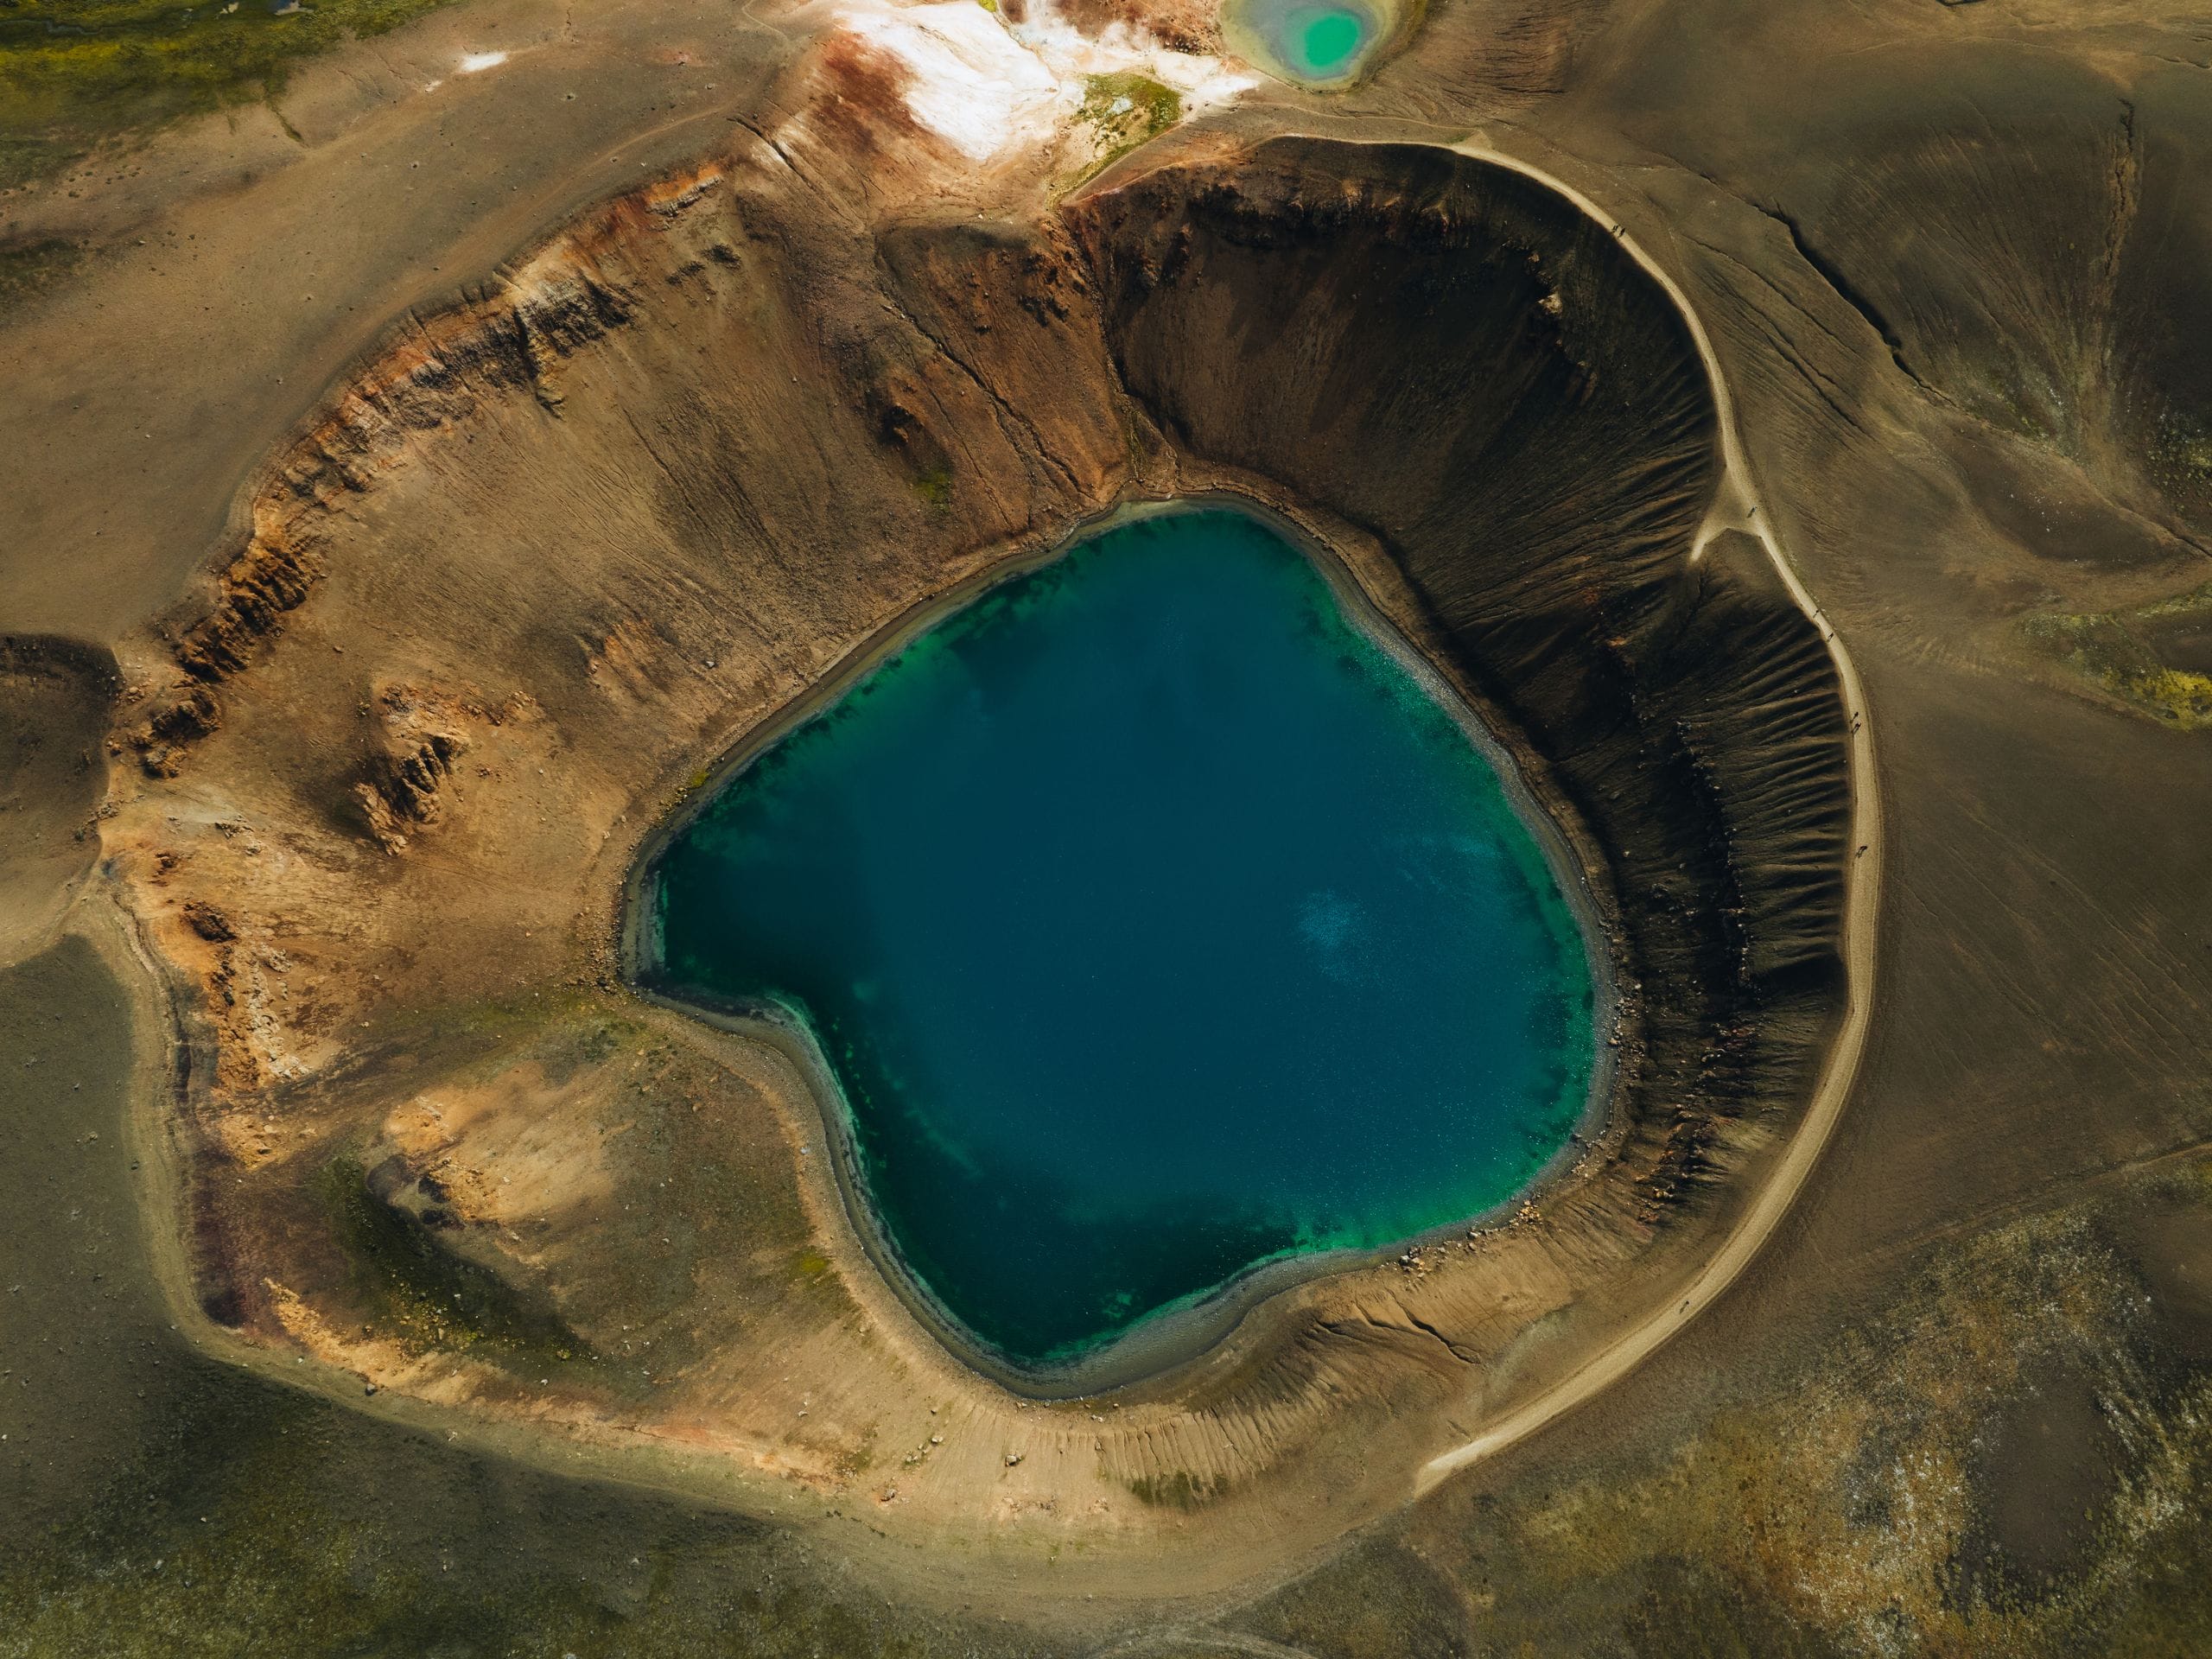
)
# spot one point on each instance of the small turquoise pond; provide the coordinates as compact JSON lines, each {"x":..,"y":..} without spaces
{"x":1156,"y":923}
{"x":1313,"y":42}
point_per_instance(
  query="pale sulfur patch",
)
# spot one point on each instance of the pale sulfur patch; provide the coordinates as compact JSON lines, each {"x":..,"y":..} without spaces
{"x":1205,"y":83}
{"x":974,"y":85}
{"x":985,"y":88}
{"x":473,"y":61}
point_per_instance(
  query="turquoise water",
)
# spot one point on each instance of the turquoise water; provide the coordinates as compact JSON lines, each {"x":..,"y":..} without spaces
{"x":1156,"y":923}
{"x":1309,"y":41}
{"x":1323,"y":40}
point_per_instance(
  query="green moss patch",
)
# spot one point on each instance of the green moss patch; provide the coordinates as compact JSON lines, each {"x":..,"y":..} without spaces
{"x":74,"y":72}
{"x":935,"y":488}
{"x":28,"y":270}
{"x":1181,"y":1490}
{"x":425,"y":1293}
{"x":2118,"y":651}
{"x":1123,"y":109}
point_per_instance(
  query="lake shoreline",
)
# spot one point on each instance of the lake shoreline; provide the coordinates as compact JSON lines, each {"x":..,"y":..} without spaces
{"x":1176,"y":1335}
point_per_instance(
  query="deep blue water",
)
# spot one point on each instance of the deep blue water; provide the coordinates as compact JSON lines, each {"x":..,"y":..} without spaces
{"x":1156,"y":922}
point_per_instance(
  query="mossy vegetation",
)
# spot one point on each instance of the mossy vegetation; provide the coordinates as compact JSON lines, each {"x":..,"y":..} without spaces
{"x":1124,"y":93}
{"x":1123,"y":109}
{"x":499,"y":1021}
{"x":274,"y":1523}
{"x":427,"y":1296}
{"x":74,"y":72}
{"x":2181,"y":456}
{"x":602,"y":1042}
{"x":934,"y":486}
{"x":1179,"y":1491}
{"x":1870,"y":1500}
{"x":27,"y":270}
{"x":2118,"y":651}
{"x":1874,"y":1501}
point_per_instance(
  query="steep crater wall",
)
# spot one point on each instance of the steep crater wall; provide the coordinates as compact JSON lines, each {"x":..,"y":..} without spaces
{"x":1456,"y":360}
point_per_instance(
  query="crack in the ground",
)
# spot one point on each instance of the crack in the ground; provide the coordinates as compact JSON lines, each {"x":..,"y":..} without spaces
{"x":1845,"y":289}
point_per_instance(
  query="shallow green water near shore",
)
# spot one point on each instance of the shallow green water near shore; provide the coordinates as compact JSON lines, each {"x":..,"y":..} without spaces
{"x":1157,"y":922}
{"x":1317,"y":42}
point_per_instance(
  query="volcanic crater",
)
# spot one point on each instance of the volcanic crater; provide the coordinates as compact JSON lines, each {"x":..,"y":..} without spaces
{"x":552,"y":555}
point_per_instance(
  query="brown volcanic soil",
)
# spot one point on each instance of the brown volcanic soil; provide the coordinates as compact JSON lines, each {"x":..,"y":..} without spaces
{"x":2012,"y":1179}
